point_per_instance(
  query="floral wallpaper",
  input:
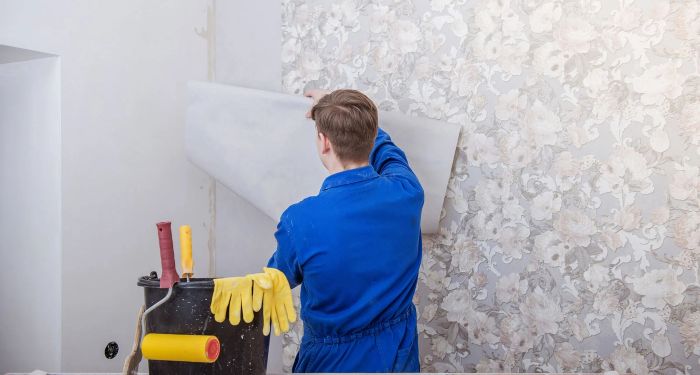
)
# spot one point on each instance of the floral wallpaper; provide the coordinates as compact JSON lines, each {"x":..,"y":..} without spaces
{"x":571,"y":230}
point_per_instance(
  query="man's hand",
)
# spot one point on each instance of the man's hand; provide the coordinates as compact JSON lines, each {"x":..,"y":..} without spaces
{"x":316,"y":95}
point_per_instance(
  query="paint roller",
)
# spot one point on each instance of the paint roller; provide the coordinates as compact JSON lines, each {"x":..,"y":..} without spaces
{"x":186,"y":251}
{"x":176,"y":347}
{"x":168,"y":275}
{"x":181,"y":348}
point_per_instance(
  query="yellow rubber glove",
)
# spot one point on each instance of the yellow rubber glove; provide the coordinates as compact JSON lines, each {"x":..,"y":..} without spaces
{"x":262,"y":298}
{"x":282,"y":307}
{"x":234,"y":294}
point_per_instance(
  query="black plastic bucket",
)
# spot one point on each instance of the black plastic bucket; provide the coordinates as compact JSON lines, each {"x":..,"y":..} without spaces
{"x":243,"y":347}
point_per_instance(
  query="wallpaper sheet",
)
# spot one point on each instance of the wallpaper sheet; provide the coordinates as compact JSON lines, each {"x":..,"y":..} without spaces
{"x":571,"y":230}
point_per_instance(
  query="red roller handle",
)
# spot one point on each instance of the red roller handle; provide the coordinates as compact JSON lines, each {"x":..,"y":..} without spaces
{"x":168,"y":275}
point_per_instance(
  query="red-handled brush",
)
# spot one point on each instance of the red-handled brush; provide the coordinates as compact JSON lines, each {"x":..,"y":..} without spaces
{"x":168,"y":275}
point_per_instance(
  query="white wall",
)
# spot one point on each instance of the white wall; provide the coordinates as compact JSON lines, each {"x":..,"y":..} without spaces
{"x":123,"y":66}
{"x":248,"y":49}
{"x":123,"y":69}
{"x":30,"y":212}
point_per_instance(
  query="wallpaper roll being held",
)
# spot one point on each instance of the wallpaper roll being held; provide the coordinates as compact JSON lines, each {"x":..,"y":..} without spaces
{"x":260,"y":145}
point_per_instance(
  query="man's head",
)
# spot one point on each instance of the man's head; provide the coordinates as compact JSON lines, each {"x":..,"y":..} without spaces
{"x":347,"y":122}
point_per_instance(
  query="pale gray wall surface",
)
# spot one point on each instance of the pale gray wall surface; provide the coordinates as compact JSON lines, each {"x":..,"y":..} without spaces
{"x":30,"y":211}
{"x":248,"y":36}
{"x":248,"y":50}
{"x":124,"y":65}
{"x":123,"y":163}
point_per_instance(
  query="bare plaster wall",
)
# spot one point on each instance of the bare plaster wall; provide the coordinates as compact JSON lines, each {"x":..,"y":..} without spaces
{"x":30,"y":210}
{"x":124,"y":65}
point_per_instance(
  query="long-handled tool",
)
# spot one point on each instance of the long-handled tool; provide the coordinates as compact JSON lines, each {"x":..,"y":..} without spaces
{"x":131,"y":364}
{"x":186,"y":251}
{"x":174,"y":347}
{"x":169,"y":275}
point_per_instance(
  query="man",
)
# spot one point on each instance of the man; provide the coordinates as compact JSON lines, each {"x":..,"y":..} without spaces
{"x":355,"y":248}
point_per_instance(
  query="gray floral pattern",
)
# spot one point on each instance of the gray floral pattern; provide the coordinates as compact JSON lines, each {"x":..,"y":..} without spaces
{"x":570,"y":234}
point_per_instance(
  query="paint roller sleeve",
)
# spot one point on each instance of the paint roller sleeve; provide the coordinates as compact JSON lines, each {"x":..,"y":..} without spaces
{"x":182,"y":348}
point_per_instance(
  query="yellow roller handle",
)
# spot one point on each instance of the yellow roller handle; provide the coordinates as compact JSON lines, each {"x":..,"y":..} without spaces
{"x":186,"y":251}
{"x":180,"y":348}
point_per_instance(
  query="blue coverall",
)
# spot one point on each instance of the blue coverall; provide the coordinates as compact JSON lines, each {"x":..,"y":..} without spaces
{"x":355,"y":248}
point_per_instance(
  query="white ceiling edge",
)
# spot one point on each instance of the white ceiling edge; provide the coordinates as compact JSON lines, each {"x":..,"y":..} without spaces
{"x":10,"y":54}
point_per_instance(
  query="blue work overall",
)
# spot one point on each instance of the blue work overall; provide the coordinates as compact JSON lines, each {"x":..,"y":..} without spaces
{"x":355,"y":249}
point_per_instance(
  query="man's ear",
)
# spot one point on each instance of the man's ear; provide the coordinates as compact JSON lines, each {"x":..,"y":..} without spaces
{"x":325,"y":143}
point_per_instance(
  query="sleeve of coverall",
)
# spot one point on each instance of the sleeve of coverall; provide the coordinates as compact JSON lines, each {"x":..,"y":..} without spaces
{"x":389,"y":160}
{"x":285,"y":257}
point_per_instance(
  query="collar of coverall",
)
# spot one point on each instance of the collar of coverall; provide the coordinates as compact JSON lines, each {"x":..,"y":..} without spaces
{"x":349,"y":176}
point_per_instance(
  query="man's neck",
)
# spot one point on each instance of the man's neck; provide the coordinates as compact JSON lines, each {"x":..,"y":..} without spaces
{"x":344,"y":166}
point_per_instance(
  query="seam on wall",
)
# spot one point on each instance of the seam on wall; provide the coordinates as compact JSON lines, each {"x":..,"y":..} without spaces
{"x":208,"y":32}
